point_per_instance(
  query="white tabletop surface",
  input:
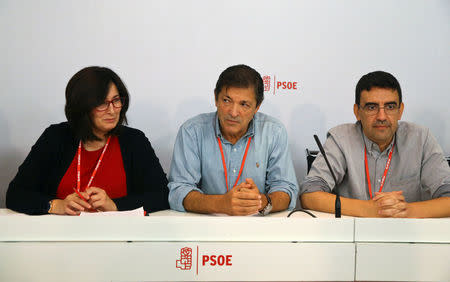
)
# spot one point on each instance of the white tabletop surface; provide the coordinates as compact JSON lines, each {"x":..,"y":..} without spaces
{"x":171,"y":225}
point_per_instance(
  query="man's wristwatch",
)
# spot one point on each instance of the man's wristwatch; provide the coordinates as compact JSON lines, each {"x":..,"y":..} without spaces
{"x":266,"y":210}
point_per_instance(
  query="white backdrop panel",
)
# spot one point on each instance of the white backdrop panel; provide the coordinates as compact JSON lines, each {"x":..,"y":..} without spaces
{"x":170,"y":54}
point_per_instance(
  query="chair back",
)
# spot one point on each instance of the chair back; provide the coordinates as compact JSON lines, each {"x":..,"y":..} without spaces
{"x":310,"y":157}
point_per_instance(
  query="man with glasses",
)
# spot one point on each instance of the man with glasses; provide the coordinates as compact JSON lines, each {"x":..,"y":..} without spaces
{"x":383,"y":168}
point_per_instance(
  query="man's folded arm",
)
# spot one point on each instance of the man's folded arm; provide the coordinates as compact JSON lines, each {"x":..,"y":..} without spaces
{"x":317,"y":196}
{"x":324,"y":202}
{"x":198,"y":202}
{"x":389,"y":204}
{"x":280,"y":201}
{"x":185,"y":169}
{"x":435,"y":176}
{"x":439,"y":206}
{"x":281,"y":182}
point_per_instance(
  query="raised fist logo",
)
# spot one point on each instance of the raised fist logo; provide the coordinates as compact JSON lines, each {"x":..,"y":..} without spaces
{"x":185,"y":261}
{"x":266,"y":81}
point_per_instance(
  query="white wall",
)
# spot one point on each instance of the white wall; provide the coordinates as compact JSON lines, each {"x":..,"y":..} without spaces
{"x":170,"y":54}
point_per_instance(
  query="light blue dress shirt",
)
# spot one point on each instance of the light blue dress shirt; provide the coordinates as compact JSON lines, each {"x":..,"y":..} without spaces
{"x":197,"y":161}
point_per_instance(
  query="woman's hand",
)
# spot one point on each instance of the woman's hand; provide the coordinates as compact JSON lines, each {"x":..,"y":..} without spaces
{"x":99,"y":200}
{"x":71,"y":205}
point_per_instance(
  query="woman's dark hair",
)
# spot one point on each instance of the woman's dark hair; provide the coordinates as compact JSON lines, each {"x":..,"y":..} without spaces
{"x":86,"y":90}
{"x":241,"y":76}
{"x":380,"y":79}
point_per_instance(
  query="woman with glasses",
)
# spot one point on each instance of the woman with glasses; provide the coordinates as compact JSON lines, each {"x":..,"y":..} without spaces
{"x":92,"y":162}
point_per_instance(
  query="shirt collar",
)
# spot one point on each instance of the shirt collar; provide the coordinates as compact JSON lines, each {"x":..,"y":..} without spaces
{"x":372,"y":146}
{"x":250,"y":130}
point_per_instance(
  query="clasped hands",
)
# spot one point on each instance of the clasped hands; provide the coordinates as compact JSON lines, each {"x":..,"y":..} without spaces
{"x":243,"y":199}
{"x":96,"y":198}
{"x":390,"y":204}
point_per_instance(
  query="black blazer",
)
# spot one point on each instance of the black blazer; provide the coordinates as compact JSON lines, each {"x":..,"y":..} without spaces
{"x":38,"y":178}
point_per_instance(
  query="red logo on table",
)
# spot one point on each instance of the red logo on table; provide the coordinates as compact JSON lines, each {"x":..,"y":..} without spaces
{"x":213,"y":260}
{"x":185,"y":261}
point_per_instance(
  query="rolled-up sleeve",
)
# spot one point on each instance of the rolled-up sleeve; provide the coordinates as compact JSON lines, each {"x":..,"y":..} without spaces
{"x":435,"y":174}
{"x":280,"y":169}
{"x":185,"y":169}
{"x":319,"y":177}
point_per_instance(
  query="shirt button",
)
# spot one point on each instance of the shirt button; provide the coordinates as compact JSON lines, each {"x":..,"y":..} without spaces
{"x":234,"y":170}
{"x":379,"y":180}
{"x":234,"y":150}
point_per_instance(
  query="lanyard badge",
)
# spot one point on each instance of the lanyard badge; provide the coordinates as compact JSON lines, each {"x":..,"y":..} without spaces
{"x":225,"y":166}
{"x":386,"y":169}
{"x":95,"y":169}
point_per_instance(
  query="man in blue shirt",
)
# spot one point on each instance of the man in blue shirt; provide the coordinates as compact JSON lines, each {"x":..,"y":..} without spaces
{"x":234,"y":161}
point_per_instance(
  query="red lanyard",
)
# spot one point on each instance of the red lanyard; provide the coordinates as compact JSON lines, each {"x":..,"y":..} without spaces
{"x":386,"y":169}
{"x":95,"y":169}
{"x":242,"y":164}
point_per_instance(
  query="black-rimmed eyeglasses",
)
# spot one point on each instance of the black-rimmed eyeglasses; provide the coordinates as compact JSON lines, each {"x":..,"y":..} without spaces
{"x":373,"y":108}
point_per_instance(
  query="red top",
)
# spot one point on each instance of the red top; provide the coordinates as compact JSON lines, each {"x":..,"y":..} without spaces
{"x":110,"y":175}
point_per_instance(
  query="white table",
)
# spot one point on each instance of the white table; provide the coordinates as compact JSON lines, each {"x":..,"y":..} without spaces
{"x":402,"y":249}
{"x":275,"y":248}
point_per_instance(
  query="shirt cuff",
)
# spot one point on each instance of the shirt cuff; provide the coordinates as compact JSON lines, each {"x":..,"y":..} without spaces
{"x":314,"y":184}
{"x":176,"y":198}
{"x":443,"y":191}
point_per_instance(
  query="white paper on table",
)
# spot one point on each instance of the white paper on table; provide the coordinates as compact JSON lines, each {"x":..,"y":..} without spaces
{"x":136,"y":212}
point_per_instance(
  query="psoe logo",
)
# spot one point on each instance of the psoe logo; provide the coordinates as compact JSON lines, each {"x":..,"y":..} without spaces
{"x":210,"y":260}
{"x":185,"y":261}
{"x":271,"y":84}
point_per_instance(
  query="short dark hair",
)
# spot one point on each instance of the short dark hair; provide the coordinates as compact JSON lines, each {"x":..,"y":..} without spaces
{"x":241,"y":76}
{"x":86,"y":90}
{"x":378,"y":79}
